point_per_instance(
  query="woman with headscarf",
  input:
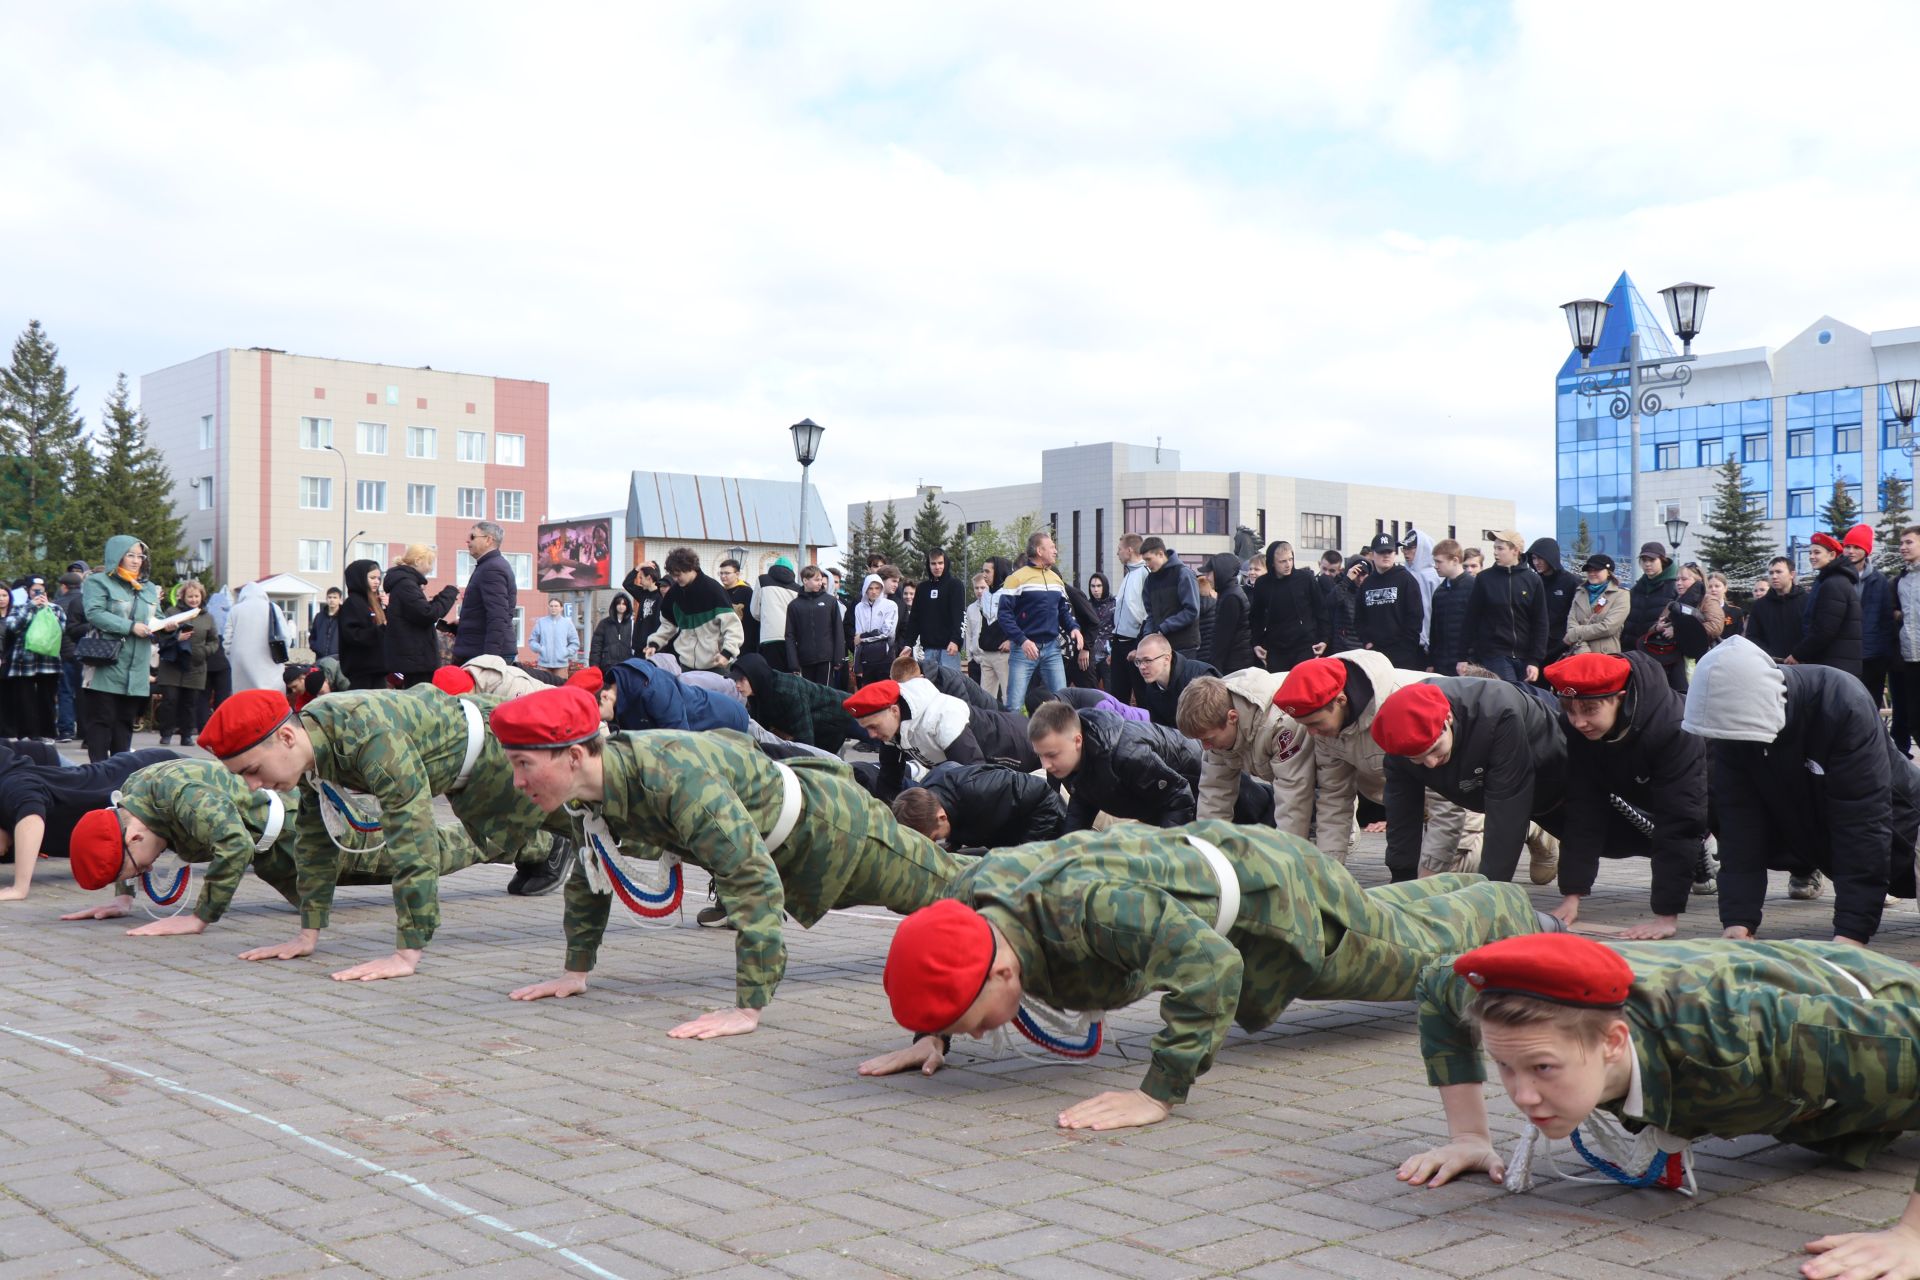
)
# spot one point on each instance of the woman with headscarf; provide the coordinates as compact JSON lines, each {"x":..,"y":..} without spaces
{"x":363,"y":628}
{"x":121,"y":605}
{"x":613,"y":636}
{"x":413,"y":642}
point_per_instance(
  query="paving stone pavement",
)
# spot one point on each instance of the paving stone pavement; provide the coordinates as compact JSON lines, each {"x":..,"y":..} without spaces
{"x":243,"y":1121}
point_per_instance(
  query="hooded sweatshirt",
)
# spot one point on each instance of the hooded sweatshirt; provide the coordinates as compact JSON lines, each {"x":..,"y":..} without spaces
{"x":1561,"y":586}
{"x":939,"y":612}
{"x":771,"y":596}
{"x":877,"y":619}
{"x":1232,"y":628}
{"x":698,"y":623}
{"x":1289,"y":614}
{"x":112,"y":605}
{"x":1392,"y":616}
{"x":1420,"y":565}
{"x":363,"y":631}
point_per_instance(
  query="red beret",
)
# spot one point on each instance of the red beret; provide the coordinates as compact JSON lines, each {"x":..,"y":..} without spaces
{"x":1589,"y":675}
{"x":1562,"y":967}
{"x":1827,"y":540}
{"x":244,"y":721}
{"x":453,"y":680}
{"x":1311,"y":686}
{"x":877,"y":696}
{"x":1861,"y":536}
{"x":937,"y":965}
{"x":589,"y":678}
{"x":548,"y":719}
{"x":96,"y":850}
{"x":1411,"y":719}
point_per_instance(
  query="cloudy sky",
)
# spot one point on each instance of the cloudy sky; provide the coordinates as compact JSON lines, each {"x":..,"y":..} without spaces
{"x":1328,"y":240}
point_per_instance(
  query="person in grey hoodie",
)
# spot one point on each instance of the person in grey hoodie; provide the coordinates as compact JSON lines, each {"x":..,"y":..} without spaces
{"x":1417,"y":548}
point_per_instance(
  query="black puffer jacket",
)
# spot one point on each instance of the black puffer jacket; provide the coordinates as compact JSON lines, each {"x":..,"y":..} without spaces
{"x":991,"y":806}
{"x":1161,"y":703}
{"x":1856,"y":819}
{"x":1142,"y":771}
{"x":1831,"y":634}
{"x":1651,"y":593}
{"x":1509,"y":762}
{"x":1507,"y":616}
{"x":1288,"y":615}
{"x":412,"y":642}
{"x":1560,"y":585}
{"x":814,"y":627}
{"x":363,"y":638}
{"x":1447,"y":631}
{"x":1775,"y":621}
{"x":1232,"y":624}
{"x":1655,"y":766}
{"x":957,"y":684}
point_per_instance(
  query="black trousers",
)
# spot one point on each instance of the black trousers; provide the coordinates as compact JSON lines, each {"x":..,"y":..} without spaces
{"x":32,"y":701}
{"x":1122,"y":679}
{"x":775,"y":652}
{"x":107,"y":723}
{"x":179,"y":709}
{"x":1279,"y":659}
{"x":818,"y":672}
{"x":219,"y":689}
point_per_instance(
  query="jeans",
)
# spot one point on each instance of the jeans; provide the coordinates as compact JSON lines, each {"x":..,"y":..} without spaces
{"x":1508,"y":668}
{"x":1053,"y":673}
{"x":940,"y":658}
{"x":66,"y":718}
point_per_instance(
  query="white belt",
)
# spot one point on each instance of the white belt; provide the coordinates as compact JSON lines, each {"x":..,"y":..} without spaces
{"x":790,"y":804}
{"x":1229,"y":884}
{"x":276,"y":820}
{"x":1861,"y":987}
{"x":476,"y":738}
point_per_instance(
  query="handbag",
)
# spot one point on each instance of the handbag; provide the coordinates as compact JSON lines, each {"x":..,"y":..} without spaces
{"x":98,"y":649}
{"x":276,"y":639}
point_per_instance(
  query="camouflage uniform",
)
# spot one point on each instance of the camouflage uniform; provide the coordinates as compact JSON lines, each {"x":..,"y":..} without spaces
{"x":403,"y":749}
{"x":1743,"y":1037}
{"x":711,"y":797}
{"x":1098,"y":920}
{"x":206,"y":815}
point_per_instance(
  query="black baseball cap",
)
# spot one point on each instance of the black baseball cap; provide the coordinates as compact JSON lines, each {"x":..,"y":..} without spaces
{"x":1598,"y":560}
{"x":1383,"y":544}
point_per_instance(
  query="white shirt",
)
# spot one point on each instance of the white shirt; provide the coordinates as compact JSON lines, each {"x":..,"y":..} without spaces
{"x":1130,"y":608}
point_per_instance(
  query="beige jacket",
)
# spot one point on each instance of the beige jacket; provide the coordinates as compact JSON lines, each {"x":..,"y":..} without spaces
{"x":1270,"y":746}
{"x":495,"y":675}
{"x":1597,"y":630}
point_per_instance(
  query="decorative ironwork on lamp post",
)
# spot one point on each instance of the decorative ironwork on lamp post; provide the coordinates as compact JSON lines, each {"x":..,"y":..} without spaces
{"x":1906,"y":404}
{"x":1637,"y":382}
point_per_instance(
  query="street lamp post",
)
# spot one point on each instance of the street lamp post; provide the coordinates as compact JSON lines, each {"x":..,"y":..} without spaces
{"x":1645,"y":377}
{"x":345,"y":482}
{"x":966,"y":541}
{"x":1906,"y":404}
{"x":1676,"y":530}
{"x":806,"y":447}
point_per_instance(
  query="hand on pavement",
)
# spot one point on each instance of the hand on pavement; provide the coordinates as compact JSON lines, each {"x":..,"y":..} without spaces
{"x":400,"y":964}
{"x":569,"y":984}
{"x":925,"y":1053}
{"x":721,"y":1022}
{"x":107,"y":911}
{"x":1115,"y":1109}
{"x":1441,"y":1165}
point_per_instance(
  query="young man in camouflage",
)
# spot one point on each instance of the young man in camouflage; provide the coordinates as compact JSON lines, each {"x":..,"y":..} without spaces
{"x":1096,"y":921}
{"x":207,"y":817}
{"x":801,"y":837}
{"x":1812,"y":1043}
{"x":403,"y":749}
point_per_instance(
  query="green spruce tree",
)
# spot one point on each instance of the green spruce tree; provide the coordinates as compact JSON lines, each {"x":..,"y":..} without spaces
{"x":986,"y":542}
{"x":1841,"y":512}
{"x":124,"y":486}
{"x":1738,"y":545}
{"x":41,"y":437}
{"x":853,"y":560}
{"x":889,"y":542}
{"x":1582,"y":545}
{"x":930,"y":528}
{"x":1894,"y":517}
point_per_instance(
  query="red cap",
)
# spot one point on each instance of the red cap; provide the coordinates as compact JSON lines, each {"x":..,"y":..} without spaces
{"x":1562,"y":967}
{"x":877,"y":696}
{"x":546,"y":720}
{"x":244,"y":721}
{"x":1411,"y":719}
{"x":937,"y":965}
{"x":1825,"y":539}
{"x":1589,"y":675}
{"x":1861,"y":536}
{"x":96,"y":850}
{"x":1311,"y":686}
{"x":453,"y":680}
{"x":589,"y":678}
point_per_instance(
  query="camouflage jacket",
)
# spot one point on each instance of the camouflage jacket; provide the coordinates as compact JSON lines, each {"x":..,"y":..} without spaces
{"x":206,"y":815}
{"x":1743,"y":1038}
{"x":1099,"y":920}
{"x":711,"y":797}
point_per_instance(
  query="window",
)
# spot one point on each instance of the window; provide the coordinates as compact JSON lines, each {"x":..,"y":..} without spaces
{"x":463,"y":565}
{"x":1666,"y":457}
{"x":316,"y":433}
{"x":1262,"y":526}
{"x":519,"y":626}
{"x":423,"y":442}
{"x":374,"y":551}
{"x":470,"y":504}
{"x":393,"y":394}
{"x":373,"y":437}
{"x":522,"y":563}
{"x":1893,"y":435}
{"x":205,"y":490}
{"x":1799,"y":502}
{"x":206,"y":431}
{"x":509,"y":451}
{"x":421,"y":499}
{"x":1846,"y":439}
{"x":1078,"y":576}
{"x":1319,"y":531}
{"x":316,"y":555}
{"x":316,"y":493}
{"x":1754,"y":448}
{"x":370,"y":495}
{"x":1099,"y":539}
{"x":509,"y":504}
{"x":473,"y":446}
{"x":1854,"y":492}
{"x":1800,"y":443}
{"x":205,"y":552}
{"x":1712,"y":452}
{"x":1174,"y":515}
{"x":1757,"y":504}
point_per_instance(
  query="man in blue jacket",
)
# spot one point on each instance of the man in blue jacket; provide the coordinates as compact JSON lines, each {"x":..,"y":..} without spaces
{"x":1034,"y":613}
{"x":486,"y":607}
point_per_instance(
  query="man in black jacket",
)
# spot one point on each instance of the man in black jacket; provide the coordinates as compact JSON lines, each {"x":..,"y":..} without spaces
{"x":1447,"y":628}
{"x":815,"y":634}
{"x":486,"y":606}
{"x":1777,"y":618}
{"x":1129,"y":770}
{"x":1506,"y":624}
{"x":938,"y":615}
{"x":1232,"y":648}
{"x":1163,"y":676}
{"x":1560,"y":585}
{"x":1289,"y":614}
{"x":1487,"y":745}
{"x":1832,"y":635}
{"x":982,"y":806}
{"x":1172,"y":598}
{"x":1636,"y":784}
{"x":1392,"y":612}
{"x":643,"y":584}
{"x":1804,"y":779}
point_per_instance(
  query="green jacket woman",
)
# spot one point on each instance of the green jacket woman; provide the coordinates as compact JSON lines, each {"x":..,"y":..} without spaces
{"x":120,"y":603}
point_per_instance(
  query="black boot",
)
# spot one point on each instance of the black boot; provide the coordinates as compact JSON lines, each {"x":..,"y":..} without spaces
{"x":531,"y":879}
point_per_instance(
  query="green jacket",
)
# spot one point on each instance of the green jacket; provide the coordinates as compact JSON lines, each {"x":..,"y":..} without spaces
{"x":113,"y":607}
{"x":1738,"y":1038}
{"x":1100,"y":920}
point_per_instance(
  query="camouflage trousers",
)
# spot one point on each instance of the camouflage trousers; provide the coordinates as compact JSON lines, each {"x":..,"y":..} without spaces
{"x":1414,"y":923}
{"x":453,"y":850}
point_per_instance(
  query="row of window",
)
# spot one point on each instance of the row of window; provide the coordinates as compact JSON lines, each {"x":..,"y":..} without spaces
{"x":370,"y":496}
{"x":1174,"y":515}
{"x":509,"y":450}
{"x":316,"y":556}
{"x":1672,"y":455}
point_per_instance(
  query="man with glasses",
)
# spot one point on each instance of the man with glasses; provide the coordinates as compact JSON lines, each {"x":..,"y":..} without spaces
{"x":486,"y":606}
{"x":1164,"y":675}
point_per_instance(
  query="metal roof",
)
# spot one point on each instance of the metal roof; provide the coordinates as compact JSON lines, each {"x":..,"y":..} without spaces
{"x":672,"y":504}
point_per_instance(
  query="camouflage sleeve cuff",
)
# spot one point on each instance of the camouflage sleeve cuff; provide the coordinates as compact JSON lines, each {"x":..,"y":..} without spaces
{"x":1447,"y":1068}
{"x":582,"y":961}
{"x":752,"y":996}
{"x":207,"y":912}
{"x":315,"y":917}
{"x":1162,"y":1087}
{"x":411,"y":939}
